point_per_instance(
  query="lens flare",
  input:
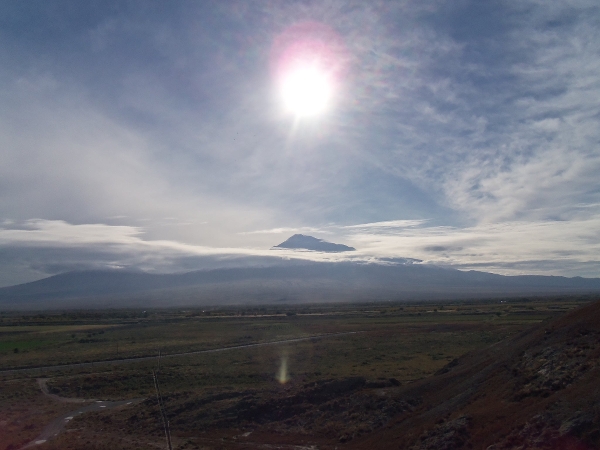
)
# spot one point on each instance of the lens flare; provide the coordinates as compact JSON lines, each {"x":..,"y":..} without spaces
{"x":282,"y":373}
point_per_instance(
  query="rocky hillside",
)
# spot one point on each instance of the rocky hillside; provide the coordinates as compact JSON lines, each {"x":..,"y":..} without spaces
{"x":539,"y":390}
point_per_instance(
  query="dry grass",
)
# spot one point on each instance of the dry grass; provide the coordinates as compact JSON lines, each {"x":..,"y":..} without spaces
{"x":405,"y":342}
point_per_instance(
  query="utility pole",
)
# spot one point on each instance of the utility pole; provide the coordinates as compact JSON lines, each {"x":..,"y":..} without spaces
{"x":162,"y":410}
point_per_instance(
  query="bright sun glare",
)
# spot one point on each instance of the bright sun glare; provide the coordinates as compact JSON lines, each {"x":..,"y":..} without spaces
{"x":308,"y":60}
{"x":306,"y":90}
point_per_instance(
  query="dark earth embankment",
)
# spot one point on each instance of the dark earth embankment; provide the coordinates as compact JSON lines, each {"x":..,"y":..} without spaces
{"x":539,"y":390}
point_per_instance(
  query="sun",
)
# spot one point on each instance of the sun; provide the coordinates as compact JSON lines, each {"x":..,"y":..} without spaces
{"x":306,"y":90}
{"x":308,"y":61}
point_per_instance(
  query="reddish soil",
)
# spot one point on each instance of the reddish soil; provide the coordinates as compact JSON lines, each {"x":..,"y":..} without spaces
{"x":538,"y":390}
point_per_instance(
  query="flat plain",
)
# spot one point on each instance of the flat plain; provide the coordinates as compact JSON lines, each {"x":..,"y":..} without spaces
{"x":238,"y":397}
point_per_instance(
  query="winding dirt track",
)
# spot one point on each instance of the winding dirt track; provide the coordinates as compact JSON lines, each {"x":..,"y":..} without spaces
{"x":170,"y":355}
{"x":43,"y":384}
{"x":53,"y":428}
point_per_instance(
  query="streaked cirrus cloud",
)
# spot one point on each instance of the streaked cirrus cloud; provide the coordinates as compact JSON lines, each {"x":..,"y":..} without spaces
{"x":463,"y":133}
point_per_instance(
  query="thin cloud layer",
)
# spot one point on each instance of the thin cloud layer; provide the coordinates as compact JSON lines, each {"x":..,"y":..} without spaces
{"x":38,"y":248}
{"x":462,"y":133}
{"x":552,"y":247}
{"x":513,"y":248}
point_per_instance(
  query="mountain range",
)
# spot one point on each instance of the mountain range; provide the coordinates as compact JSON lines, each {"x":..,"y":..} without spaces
{"x":291,"y":282}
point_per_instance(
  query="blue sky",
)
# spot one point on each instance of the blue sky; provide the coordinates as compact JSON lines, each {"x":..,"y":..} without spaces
{"x":151,"y":135}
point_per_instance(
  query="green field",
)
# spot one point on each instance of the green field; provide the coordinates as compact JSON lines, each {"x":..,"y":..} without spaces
{"x":45,"y":339}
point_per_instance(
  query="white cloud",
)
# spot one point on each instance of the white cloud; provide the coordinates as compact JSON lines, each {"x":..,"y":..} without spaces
{"x":515,"y":247}
{"x":286,"y":230}
{"x":58,"y":232}
{"x":387,"y":224}
{"x":45,"y":247}
{"x":544,"y":247}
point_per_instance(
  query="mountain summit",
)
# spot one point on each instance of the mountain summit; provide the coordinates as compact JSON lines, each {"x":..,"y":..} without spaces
{"x":300,"y":241}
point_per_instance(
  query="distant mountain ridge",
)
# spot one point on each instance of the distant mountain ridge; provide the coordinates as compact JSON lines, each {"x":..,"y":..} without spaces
{"x":300,"y":241}
{"x":290,"y":283}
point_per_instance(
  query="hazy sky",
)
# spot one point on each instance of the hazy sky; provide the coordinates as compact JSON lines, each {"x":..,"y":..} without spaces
{"x":155,"y":135}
